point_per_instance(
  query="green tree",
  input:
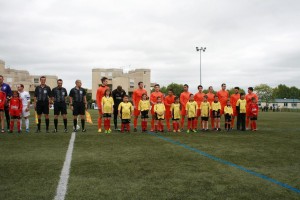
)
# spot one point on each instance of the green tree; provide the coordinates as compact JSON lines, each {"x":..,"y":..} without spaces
{"x":177,"y":88}
{"x":264,"y":92}
{"x":281,"y":91}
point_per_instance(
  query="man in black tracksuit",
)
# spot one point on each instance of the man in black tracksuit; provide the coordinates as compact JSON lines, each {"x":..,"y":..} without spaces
{"x":117,"y":95}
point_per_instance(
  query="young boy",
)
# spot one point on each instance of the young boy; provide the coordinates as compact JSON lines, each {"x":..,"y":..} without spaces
{"x":216,"y":112}
{"x":159,"y":110}
{"x":191,"y":112}
{"x":228,"y":111}
{"x":125,"y":112}
{"x":241,"y":111}
{"x":15,"y":111}
{"x":253,"y":112}
{"x":144,"y":107}
{"x":175,"y":111}
{"x":2,"y":104}
{"x":169,"y":99}
{"x":205,"y":110}
{"x":107,"y":109}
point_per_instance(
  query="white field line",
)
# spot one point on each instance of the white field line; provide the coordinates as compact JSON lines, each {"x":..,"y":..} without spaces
{"x":64,"y":176}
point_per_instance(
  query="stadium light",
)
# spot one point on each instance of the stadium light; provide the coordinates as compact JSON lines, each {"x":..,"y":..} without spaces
{"x":200,"y":50}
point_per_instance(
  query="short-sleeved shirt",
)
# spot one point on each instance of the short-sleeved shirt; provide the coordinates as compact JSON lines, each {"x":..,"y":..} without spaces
{"x":2,"y":99}
{"x":25,"y":96}
{"x":59,"y":94}
{"x":199,"y":98}
{"x":169,"y":100}
{"x":77,"y":94}
{"x":118,"y":97}
{"x":228,"y":110}
{"x":216,"y":106}
{"x":42,"y":94}
{"x":144,"y":105}
{"x":184,"y":98}
{"x":210,"y":97}
{"x":175,"y":108}
{"x":100,"y":93}
{"x":242,"y":104}
{"x":205,"y":107}
{"x":223,"y":96}
{"x":6,"y":89}
{"x":107,"y":103}
{"x":159,"y":109}
{"x":125,"y":109}
{"x":191,"y":108}
{"x":137,"y":96}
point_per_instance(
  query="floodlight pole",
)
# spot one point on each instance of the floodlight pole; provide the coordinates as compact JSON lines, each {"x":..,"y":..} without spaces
{"x":200,"y":50}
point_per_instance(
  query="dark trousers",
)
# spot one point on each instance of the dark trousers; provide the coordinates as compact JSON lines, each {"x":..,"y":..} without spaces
{"x":7,"y":116}
{"x":241,"y":120}
{"x":116,"y":117}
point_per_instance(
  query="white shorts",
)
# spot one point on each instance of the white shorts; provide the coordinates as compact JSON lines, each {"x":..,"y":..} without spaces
{"x":25,"y":113}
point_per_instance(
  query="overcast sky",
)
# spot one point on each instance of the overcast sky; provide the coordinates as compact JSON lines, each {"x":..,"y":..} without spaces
{"x":248,"y":42}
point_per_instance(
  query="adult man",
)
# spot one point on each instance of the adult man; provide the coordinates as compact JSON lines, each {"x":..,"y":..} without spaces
{"x":100,"y":93}
{"x":136,"y":97}
{"x":7,"y":90}
{"x":42,"y":103}
{"x":184,"y":98}
{"x":233,"y":99}
{"x":78,"y":104}
{"x":118,"y":95}
{"x":199,"y":96}
{"x":59,"y":95}
{"x":248,"y":98}
{"x":153,"y":99}
{"x":169,"y":99}
{"x":210,"y":98}
{"x":25,"y":97}
{"x":223,"y":96}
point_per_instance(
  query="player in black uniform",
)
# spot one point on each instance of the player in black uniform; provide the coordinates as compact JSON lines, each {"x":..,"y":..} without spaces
{"x":118,"y":95}
{"x":59,"y":95}
{"x":78,"y":104}
{"x":42,"y":97}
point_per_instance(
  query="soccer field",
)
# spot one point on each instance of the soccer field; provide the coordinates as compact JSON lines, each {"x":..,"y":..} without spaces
{"x":210,"y":165}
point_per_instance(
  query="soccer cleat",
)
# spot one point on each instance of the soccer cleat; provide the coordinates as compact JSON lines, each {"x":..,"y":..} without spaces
{"x":174,"y":131}
{"x":2,"y":131}
{"x":188,"y":131}
{"x":194,"y":130}
{"x":66,"y":130}
{"x":178,"y":130}
{"x":47,"y":131}
{"x":54,"y":131}
{"x":27,"y":130}
{"x":99,"y":130}
{"x":75,"y":130}
{"x":37,"y":131}
{"x":83,"y":130}
{"x":134,"y":130}
{"x":109,"y":131}
{"x":151,"y":130}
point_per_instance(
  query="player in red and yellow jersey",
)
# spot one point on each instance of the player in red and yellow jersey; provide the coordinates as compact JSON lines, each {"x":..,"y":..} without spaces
{"x":223,"y":96}
{"x":233,"y":99}
{"x":15,"y":111}
{"x":136,"y":97}
{"x":253,"y":112}
{"x":169,"y":99}
{"x":241,"y":106}
{"x":198,"y":97}
{"x":248,"y":98}
{"x":210,"y":98}
{"x":153,"y":100}
{"x":99,"y":96}
{"x":159,"y":110}
{"x":191,"y":112}
{"x":184,"y":98}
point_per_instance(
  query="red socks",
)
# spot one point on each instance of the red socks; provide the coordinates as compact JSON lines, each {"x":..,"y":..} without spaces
{"x":99,"y":122}
{"x":135,"y":122}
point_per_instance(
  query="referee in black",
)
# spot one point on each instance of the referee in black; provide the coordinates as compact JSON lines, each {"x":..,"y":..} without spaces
{"x":78,"y":104}
{"x":59,"y":95}
{"x":117,"y":95}
{"x":42,"y":97}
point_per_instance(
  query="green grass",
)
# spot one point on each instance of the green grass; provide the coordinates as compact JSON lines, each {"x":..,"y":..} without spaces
{"x":142,"y":166}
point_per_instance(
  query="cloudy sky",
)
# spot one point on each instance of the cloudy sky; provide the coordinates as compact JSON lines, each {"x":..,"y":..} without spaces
{"x":248,"y":42}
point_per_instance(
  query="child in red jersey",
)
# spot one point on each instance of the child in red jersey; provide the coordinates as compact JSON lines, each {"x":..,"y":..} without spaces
{"x":253,"y":111}
{"x":15,"y":110}
{"x":2,"y":104}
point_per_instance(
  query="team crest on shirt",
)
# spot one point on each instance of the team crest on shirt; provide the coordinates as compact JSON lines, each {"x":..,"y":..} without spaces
{"x":63,"y":93}
{"x":80,"y":92}
{"x":3,"y":87}
{"x":45,"y":91}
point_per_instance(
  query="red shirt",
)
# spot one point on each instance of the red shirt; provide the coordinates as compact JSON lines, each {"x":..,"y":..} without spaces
{"x":2,"y":99}
{"x":210,"y":97}
{"x":248,"y":98}
{"x":223,"y":96}
{"x":100,"y":94}
{"x":137,"y":96}
{"x":184,"y":98}
{"x":154,"y":95}
{"x":168,"y":101}
{"x":15,"y":104}
{"x":199,"y":98}
{"x":233,"y":99}
{"x":253,"y":109}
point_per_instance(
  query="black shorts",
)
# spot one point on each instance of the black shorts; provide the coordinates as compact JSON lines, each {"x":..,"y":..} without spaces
{"x":156,"y":117}
{"x":15,"y":117}
{"x":42,"y":107}
{"x":228,"y":118}
{"x":107,"y":115}
{"x":78,"y":108}
{"x":125,"y":121}
{"x":60,"y":108}
{"x":253,"y":117}
{"x":174,"y":119}
{"x":144,"y":114}
{"x":204,"y":119}
{"x":191,"y":118}
{"x":216,"y":114}
{"x":1,"y":110}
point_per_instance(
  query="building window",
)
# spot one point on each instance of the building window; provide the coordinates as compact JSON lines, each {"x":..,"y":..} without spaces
{"x":36,"y":80}
{"x":131,"y":86}
{"x":145,"y":72}
{"x":102,"y":73}
{"x":9,"y":80}
{"x":109,"y":74}
{"x":131,"y":82}
{"x":294,"y":104}
{"x":144,"y":86}
{"x":285,"y":104}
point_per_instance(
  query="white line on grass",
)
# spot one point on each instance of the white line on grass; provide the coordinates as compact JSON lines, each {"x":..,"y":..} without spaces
{"x":64,"y":176}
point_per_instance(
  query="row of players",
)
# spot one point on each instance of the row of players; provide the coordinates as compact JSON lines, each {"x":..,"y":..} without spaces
{"x":155,"y":97}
